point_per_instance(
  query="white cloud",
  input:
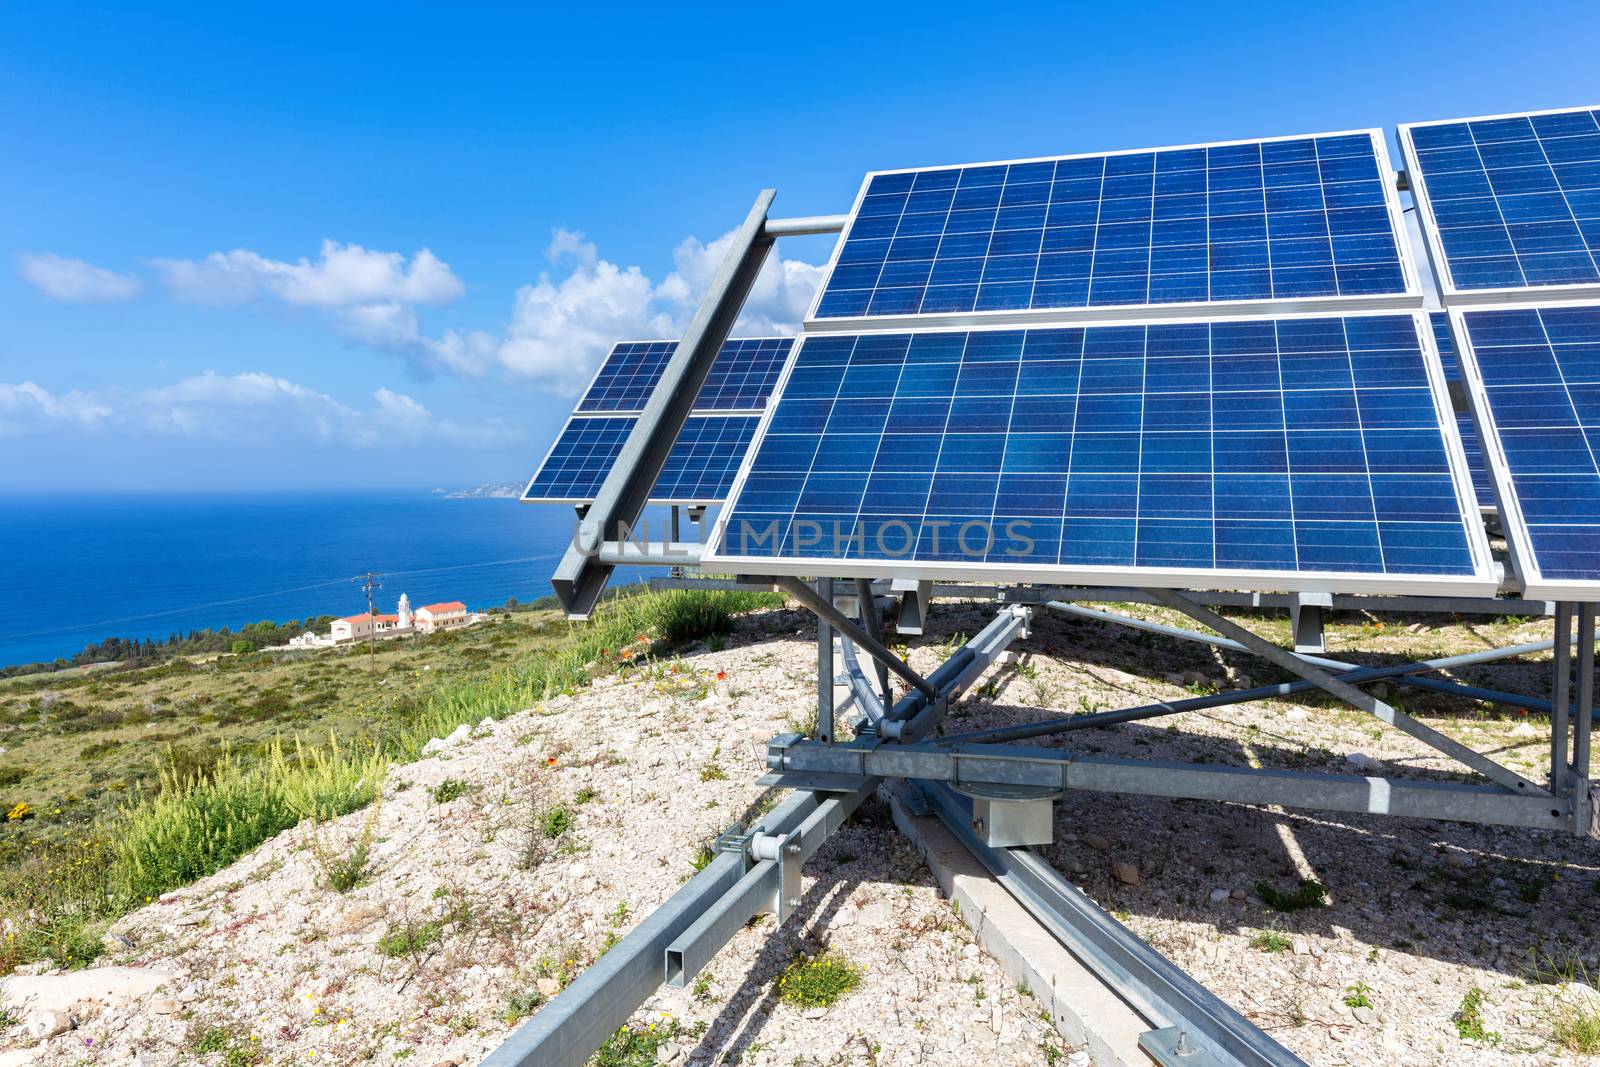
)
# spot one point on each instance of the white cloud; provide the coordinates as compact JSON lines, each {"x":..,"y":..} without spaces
{"x":561,"y":329}
{"x":252,"y":407}
{"x":396,"y":327}
{"x":343,"y":276}
{"x":74,"y":280}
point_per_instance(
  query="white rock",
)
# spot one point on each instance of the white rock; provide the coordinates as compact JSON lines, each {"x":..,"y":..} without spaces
{"x":969,"y":952}
{"x":1301,"y":946}
{"x":164,"y":1006}
{"x":433,"y":747}
{"x":459,"y":734}
{"x":1297,"y":715}
{"x":1364,"y":1015}
{"x":669,"y":1052}
{"x":1219,"y":895}
{"x":1361,"y":761}
{"x":58,"y":992}
{"x":486,"y":725}
{"x":814,"y":1013}
{"x":47,"y":1024}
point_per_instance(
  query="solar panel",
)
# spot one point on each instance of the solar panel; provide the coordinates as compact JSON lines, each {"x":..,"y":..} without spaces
{"x":699,"y":469}
{"x":1535,"y":376}
{"x":1253,"y":225}
{"x":1444,"y":342}
{"x":1510,"y":204}
{"x":742,"y":378}
{"x":1297,"y":453}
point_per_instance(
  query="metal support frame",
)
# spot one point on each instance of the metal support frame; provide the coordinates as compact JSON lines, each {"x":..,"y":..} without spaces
{"x":1350,"y":694}
{"x":914,"y":594}
{"x":825,"y":610}
{"x":987,"y":768}
{"x":874,"y":625}
{"x":1305,"y":621}
{"x":825,"y":708}
{"x":580,"y":578}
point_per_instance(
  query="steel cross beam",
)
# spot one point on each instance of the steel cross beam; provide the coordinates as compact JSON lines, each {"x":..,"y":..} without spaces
{"x":803,"y":763}
{"x":580,"y":578}
{"x":1349,"y":693}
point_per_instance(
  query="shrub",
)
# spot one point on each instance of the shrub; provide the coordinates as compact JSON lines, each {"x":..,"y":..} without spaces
{"x":1311,"y":894}
{"x":197,"y":826}
{"x":1469,"y":1018}
{"x":556,"y":821}
{"x":409,"y":940}
{"x":448,"y":790}
{"x":818,"y":981}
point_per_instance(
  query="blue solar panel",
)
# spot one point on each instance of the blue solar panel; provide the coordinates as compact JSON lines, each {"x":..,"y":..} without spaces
{"x":1243,"y":454}
{"x":1444,"y":341}
{"x":699,"y":470}
{"x":1539,"y":374}
{"x":1259,"y":221}
{"x":742,"y":378}
{"x":1510,"y":202}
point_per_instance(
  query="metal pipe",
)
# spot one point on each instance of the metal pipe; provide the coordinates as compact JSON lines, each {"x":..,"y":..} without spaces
{"x":867,"y":698}
{"x":579,"y":579}
{"x":844,"y":624}
{"x":1561,"y":699}
{"x":804,"y":225}
{"x":1240,"y":696}
{"x":869,"y":615}
{"x":1451,"y":688}
{"x":1348,"y":693}
{"x":825,"y":708}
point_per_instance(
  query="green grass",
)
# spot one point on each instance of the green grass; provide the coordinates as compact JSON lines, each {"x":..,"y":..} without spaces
{"x":1310,"y":894}
{"x":412,"y":939}
{"x":206,"y":806}
{"x":1271,"y":941}
{"x":635,"y":1046}
{"x":448,"y":790}
{"x":818,"y":981}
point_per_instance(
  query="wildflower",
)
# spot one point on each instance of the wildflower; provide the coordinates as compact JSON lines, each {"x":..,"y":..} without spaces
{"x":549,"y":761}
{"x":722,"y":676}
{"x":19,"y":812}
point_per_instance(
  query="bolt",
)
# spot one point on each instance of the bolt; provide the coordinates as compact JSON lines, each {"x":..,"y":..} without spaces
{"x":793,"y":850}
{"x":1184,"y":1048}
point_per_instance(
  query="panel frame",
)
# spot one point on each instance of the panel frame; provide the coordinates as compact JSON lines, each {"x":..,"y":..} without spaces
{"x":1485,"y":581}
{"x":575,"y":414}
{"x":587,"y":416}
{"x":1524,"y":560}
{"x":1434,"y":246}
{"x":1412,"y":297}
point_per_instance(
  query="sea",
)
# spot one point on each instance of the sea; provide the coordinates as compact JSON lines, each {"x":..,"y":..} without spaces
{"x":77,"y":569}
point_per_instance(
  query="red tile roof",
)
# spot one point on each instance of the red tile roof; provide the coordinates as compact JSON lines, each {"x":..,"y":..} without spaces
{"x":363,"y":617}
{"x":439,"y":609}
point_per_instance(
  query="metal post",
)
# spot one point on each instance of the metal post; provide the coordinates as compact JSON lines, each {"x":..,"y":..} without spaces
{"x":825,"y":707}
{"x":675,"y":535}
{"x":580,"y":578}
{"x":869,"y":615}
{"x":1581,"y":729}
{"x":1561,"y":685}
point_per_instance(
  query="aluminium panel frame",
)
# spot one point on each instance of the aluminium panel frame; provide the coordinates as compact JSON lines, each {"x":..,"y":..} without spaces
{"x":1484,"y":582}
{"x":1448,"y":292}
{"x":1524,"y":560}
{"x":1411,"y":297}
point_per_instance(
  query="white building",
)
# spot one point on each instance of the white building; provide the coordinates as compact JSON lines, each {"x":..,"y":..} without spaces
{"x":449,"y":615}
{"x":360,"y":627}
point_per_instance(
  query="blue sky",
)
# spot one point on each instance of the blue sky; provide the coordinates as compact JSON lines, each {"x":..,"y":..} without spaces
{"x":300,"y":247}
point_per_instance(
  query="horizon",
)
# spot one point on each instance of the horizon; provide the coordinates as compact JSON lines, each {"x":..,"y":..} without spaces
{"x":316,"y":275}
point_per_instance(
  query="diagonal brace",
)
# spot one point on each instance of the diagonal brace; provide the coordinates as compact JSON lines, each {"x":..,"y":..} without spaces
{"x":1347,"y":692}
{"x":824,"y":608}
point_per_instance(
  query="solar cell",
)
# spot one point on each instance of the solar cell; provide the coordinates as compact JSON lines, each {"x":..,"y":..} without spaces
{"x":1297,"y":453}
{"x":699,"y":469}
{"x":1248,"y":224}
{"x":1510,"y":204}
{"x":1535,"y":375}
{"x":742,"y":378}
{"x":1444,"y":342}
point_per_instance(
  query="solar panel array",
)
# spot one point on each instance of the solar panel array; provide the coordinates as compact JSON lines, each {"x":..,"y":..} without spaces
{"x":1510,"y":202}
{"x":1244,"y":453}
{"x":699,"y":469}
{"x":1274,"y":220}
{"x":1538,"y":370}
{"x":701,"y":466}
{"x":742,"y":378}
{"x":1444,"y":341}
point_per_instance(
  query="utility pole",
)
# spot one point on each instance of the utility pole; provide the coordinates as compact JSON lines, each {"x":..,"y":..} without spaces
{"x":370,"y":583}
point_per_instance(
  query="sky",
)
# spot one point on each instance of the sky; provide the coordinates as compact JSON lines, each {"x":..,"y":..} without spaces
{"x":297,"y":247}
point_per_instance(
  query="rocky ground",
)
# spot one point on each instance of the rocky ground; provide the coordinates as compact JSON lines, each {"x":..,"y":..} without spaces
{"x":508,"y":861}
